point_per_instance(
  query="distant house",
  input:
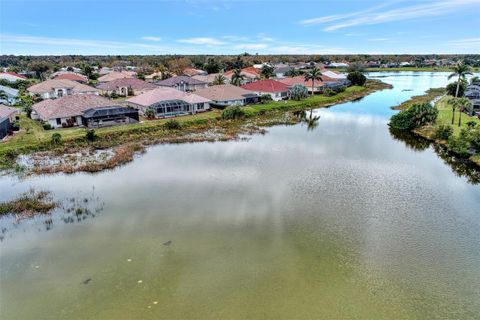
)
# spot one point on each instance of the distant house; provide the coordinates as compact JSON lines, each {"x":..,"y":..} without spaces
{"x":209,"y":78}
{"x":7,"y":117}
{"x":169,"y":102}
{"x":154,"y":76}
{"x":338,"y":65}
{"x":318,"y":86}
{"x":126,"y":86}
{"x":279,"y":72}
{"x":51,"y":89}
{"x":11,"y":76}
{"x":250,"y":74}
{"x":83,"y":110}
{"x":70,"y":76}
{"x":194,"y":72}
{"x":227,"y":94}
{"x":277,"y":90}
{"x":182,"y":83}
{"x":473,"y":94}
{"x":12,"y":95}
{"x":115,"y":75}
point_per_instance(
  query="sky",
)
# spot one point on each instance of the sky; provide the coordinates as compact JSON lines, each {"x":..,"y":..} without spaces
{"x":117,"y":27}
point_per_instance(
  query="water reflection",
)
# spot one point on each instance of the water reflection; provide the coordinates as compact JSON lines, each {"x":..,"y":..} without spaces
{"x":308,"y":118}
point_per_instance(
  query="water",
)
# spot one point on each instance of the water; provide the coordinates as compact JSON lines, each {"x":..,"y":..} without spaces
{"x":343,"y":221}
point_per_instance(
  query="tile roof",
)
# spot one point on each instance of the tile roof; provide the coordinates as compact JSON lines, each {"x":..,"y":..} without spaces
{"x":49,"y":85}
{"x":224,"y":92}
{"x":6,"y":111}
{"x":209,"y":78}
{"x":134,"y":83}
{"x":173,"y":81}
{"x":71,"y":76}
{"x":117,"y":75}
{"x":266,"y":86}
{"x":14,"y":74}
{"x":164,"y":94}
{"x":70,"y":106}
{"x":249,"y":72}
{"x":300,"y":80}
{"x":193,"y":72}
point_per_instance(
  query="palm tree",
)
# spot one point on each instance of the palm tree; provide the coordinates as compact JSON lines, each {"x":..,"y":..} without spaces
{"x":267,"y":71}
{"x":312,"y":121}
{"x":461,"y":70}
{"x":219,"y":79}
{"x":463,"y":103}
{"x":313,"y":75}
{"x":475,"y":80}
{"x":237,"y":77}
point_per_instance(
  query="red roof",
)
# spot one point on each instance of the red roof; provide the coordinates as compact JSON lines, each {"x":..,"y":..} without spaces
{"x":266,"y":86}
{"x":16,"y":75}
{"x":71,"y":76}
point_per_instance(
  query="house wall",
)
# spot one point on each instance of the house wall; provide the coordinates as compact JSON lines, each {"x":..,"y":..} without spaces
{"x":276,"y":96}
{"x":54,"y":124}
{"x":4,"y":126}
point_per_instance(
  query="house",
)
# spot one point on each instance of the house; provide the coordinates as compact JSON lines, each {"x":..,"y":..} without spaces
{"x":182,"y":83}
{"x":277,"y":90}
{"x":332,"y":75}
{"x":115,"y":75}
{"x":318,"y":86}
{"x":51,"y":89}
{"x":279,"y":72}
{"x":338,"y":65}
{"x":250,"y":74}
{"x":87,"y":110}
{"x":154,"y":76}
{"x":227,"y":95}
{"x":473,"y":94}
{"x":125,"y":87}
{"x":194,"y":72}
{"x":169,"y":102}
{"x":11,"y":95}
{"x":11,"y":76}
{"x":209,"y":78}
{"x":70,"y":76}
{"x":7,"y":117}
{"x":104,"y":70}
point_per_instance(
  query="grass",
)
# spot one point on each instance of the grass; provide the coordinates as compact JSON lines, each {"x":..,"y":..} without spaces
{"x":33,"y":138}
{"x":28,"y":204}
{"x":427,"y":97}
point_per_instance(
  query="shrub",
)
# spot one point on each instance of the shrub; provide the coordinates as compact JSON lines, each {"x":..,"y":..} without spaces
{"x":113,"y":95}
{"x":233,"y":112}
{"x":47,"y":126}
{"x":459,"y":146}
{"x":329,"y":92}
{"x":298,"y":92}
{"x":150,"y":113}
{"x":443,"y":132}
{"x":414,"y":117}
{"x":264,"y":98}
{"x":56,"y":138}
{"x":471,"y":124}
{"x":172,"y":124}
{"x":340,"y":89}
{"x":91,"y":135}
{"x":475,"y":138}
{"x":15,"y":126}
{"x":357,"y":78}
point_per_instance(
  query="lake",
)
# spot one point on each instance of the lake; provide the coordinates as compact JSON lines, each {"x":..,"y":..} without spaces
{"x":341,"y":220}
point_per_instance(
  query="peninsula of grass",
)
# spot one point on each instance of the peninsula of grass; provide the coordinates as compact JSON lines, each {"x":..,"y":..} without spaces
{"x":429,"y":96}
{"x":128,"y":139}
{"x":28,"y":204}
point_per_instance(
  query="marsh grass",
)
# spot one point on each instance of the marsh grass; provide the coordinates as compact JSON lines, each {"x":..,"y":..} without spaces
{"x":29,"y":203}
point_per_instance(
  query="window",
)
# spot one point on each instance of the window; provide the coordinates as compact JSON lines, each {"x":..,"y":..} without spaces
{"x":59,"y":121}
{"x":200,"y":106}
{"x":60,"y":93}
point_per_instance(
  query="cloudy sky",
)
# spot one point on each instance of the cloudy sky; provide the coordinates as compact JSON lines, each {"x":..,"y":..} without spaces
{"x":39,"y":27}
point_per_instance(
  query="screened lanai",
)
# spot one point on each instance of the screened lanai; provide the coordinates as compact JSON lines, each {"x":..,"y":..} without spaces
{"x":101,"y":117}
{"x":171,"y":108}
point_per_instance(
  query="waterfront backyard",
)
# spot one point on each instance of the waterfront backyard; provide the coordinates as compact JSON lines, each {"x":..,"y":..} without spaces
{"x":340,"y":219}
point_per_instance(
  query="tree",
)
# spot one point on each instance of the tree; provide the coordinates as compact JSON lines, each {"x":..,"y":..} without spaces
{"x":460,"y":70}
{"x":357,"y":78}
{"x":219,"y":80}
{"x":313,"y":75}
{"x":87,"y":70}
{"x":140,"y":76}
{"x":298,"y":92}
{"x":211,"y":66}
{"x":267,"y":71}
{"x":414,"y":117}
{"x":178,"y":65}
{"x":452,"y":88}
{"x":91,"y":135}
{"x":40,"y":68}
{"x":356,"y":67}
{"x":237,"y":77}
{"x":453,"y":103}
{"x":26,"y":102}
{"x":293,"y":72}
{"x":461,"y":104}
{"x":475,"y":80}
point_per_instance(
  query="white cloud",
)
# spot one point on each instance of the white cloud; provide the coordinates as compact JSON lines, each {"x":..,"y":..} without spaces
{"x":202,"y":41}
{"x":470,"y":43}
{"x":375,"y":16}
{"x":250,"y":46}
{"x":379,"y":39}
{"x":151,"y":38}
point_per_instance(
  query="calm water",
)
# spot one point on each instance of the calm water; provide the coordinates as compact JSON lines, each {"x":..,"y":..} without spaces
{"x":343,"y":221}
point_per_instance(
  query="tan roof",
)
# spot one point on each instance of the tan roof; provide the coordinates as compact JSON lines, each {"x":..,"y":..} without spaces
{"x":301,"y":80}
{"x":70,"y":106}
{"x":6,"y":111}
{"x":164,"y":94}
{"x":209,"y":78}
{"x":117,"y":75}
{"x":49,"y":85}
{"x":223,"y":92}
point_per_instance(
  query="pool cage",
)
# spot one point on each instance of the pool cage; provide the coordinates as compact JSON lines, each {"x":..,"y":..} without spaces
{"x":101,"y":117}
{"x":171,"y":108}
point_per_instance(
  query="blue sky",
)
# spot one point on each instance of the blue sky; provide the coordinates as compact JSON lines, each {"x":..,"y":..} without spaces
{"x":39,"y":27}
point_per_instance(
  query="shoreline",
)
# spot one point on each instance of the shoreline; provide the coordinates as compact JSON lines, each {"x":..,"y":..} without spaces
{"x":116,"y":146}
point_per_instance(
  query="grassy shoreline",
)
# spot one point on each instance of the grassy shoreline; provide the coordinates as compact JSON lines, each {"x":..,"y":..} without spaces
{"x":128,"y":140}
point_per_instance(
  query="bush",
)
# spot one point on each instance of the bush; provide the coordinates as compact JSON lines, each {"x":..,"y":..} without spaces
{"x":47,"y":126}
{"x":459,"y":146}
{"x":150,"y":113}
{"x":56,"y":138}
{"x":443,"y":132}
{"x":475,"y":138}
{"x":264,"y":98}
{"x":113,"y":95}
{"x":172,"y":124}
{"x":357,"y":78}
{"x":91,"y":135}
{"x":15,"y":126}
{"x":414,"y":117}
{"x":471,"y":124}
{"x":329,"y":92}
{"x":298,"y":92}
{"x":452,"y":88}
{"x":233,"y":112}
{"x":340,"y":89}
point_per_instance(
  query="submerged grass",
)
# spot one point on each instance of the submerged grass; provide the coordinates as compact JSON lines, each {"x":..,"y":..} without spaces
{"x":29,"y":203}
{"x":130,"y":139}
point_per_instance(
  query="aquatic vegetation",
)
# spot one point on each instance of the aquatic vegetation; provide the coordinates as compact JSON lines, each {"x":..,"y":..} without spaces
{"x":29,"y":203}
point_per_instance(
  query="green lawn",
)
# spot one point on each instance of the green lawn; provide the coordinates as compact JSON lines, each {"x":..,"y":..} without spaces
{"x":445,"y":116}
